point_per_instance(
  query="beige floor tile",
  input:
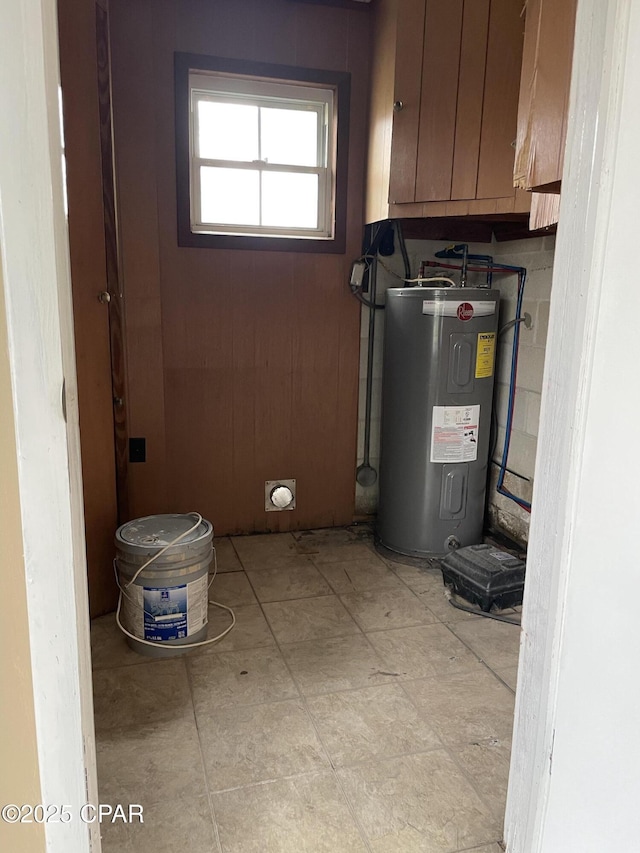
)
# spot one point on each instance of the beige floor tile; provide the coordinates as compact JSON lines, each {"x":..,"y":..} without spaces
{"x":109,"y":647}
{"x":497,"y":643}
{"x":332,"y":552}
{"x":259,"y":743}
{"x":422,"y":651}
{"x":358,"y":725}
{"x":309,"y":619}
{"x":232,"y":589}
{"x":359,"y":575}
{"x":509,"y":676}
{"x":428,"y":585}
{"x":418,"y":804}
{"x":379,"y":609}
{"x":133,"y":696}
{"x":226,"y":555}
{"x":170,"y":826}
{"x":244,"y":677}
{"x":251,"y":630}
{"x":487,"y":764}
{"x":310,"y":541}
{"x":340,"y":663}
{"x":300,"y":580}
{"x":416,"y":579}
{"x":467,"y":707}
{"x":157,"y":761}
{"x":439,"y":605}
{"x":257,"y":552}
{"x":307,"y":814}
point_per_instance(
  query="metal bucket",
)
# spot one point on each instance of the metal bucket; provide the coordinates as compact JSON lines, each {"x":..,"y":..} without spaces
{"x":166,"y":605}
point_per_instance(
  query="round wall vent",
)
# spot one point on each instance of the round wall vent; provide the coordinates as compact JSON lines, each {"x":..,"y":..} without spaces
{"x":279,"y":495}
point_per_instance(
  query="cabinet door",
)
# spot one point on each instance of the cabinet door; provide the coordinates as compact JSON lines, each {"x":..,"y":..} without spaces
{"x":500,"y":107}
{"x":470,"y":73}
{"x":407,"y":90}
{"x":473,"y":60}
{"x":544,"y":93}
{"x":438,"y":104}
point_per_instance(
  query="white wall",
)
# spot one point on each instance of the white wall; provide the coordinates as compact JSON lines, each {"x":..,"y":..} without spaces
{"x":536,"y":254}
{"x":37,"y":293}
{"x":574,"y":785}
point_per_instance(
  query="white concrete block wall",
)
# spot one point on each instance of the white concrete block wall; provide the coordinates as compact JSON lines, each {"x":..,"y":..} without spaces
{"x":536,"y":255}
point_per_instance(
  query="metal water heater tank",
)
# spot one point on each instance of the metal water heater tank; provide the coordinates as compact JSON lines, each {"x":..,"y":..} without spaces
{"x":437,"y":393}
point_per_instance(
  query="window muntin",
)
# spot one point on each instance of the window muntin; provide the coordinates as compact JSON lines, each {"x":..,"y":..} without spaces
{"x":262,"y":157}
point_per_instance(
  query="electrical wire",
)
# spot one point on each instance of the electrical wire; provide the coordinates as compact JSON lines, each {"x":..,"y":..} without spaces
{"x":488,"y":615}
{"x":403,"y":250}
{"x":123,"y":592}
{"x":384,"y":266}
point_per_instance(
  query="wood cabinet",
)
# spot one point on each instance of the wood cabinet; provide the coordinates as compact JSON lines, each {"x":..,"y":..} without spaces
{"x":544,"y":94}
{"x":543,"y":107}
{"x":444,"y":101}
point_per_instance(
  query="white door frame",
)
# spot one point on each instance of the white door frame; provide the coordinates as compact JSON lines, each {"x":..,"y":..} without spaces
{"x":35,"y":257}
{"x":574,"y":784}
{"x":559,"y":800}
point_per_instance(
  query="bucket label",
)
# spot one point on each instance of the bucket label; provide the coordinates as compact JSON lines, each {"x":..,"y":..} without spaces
{"x":167,"y":612}
{"x":454,"y":433}
{"x":485,"y":354}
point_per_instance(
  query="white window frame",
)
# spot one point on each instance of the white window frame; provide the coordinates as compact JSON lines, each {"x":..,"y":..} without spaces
{"x":231,"y":88}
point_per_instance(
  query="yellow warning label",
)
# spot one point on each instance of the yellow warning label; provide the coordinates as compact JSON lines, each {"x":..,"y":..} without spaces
{"x":485,"y":354}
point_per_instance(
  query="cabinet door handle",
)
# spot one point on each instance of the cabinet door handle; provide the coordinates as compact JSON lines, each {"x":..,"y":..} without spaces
{"x":398,"y":106}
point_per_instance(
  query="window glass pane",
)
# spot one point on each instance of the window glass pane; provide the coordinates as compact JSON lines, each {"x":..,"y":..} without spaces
{"x":290,"y":199}
{"x":230,"y":196}
{"x":227,"y":131}
{"x":290,"y":137}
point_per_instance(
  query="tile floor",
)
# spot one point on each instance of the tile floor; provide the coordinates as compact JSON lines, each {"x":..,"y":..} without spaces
{"x":351,"y":709}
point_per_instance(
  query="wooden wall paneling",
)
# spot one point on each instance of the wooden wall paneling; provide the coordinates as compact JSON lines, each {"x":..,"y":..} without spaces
{"x":239,"y":335}
{"x":473,"y":56}
{"x":381,"y":98}
{"x":117,"y":333}
{"x":316,"y":399}
{"x":358,"y":56}
{"x":317,"y":27}
{"x":133,"y":77}
{"x":499,"y":122}
{"x":348,"y":388}
{"x":247,"y":502}
{"x":274,"y":369}
{"x":441,"y":60}
{"x":408,"y":90}
{"x":199,"y":424}
{"x":78,"y":68}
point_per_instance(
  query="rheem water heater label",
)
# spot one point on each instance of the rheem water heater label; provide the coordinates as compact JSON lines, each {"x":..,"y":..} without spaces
{"x":454,"y":433}
{"x":485,"y":354}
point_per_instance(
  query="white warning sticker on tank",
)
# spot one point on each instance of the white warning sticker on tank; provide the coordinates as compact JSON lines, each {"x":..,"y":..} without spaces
{"x":454,"y":433}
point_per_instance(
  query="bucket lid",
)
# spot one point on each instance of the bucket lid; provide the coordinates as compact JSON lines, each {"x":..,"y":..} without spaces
{"x":156,"y":531}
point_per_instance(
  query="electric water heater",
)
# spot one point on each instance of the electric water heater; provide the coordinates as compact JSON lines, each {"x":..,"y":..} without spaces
{"x":437,"y":392}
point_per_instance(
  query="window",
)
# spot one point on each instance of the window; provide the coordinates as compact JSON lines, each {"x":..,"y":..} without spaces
{"x":261,"y":155}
